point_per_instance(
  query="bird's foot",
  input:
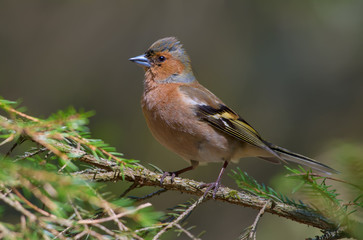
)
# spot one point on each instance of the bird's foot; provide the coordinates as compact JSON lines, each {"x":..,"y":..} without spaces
{"x":165,"y":174}
{"x":211,"y":186}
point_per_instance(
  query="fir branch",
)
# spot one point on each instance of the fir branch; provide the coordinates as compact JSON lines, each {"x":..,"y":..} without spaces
{"x":145,"y":177}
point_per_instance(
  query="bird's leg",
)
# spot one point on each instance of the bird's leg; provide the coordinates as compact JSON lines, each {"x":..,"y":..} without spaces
{"x":214,"y":185}
{"x":176,"y":173}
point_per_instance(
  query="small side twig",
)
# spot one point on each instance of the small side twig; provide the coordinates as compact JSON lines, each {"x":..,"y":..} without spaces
{"x":189,"y":234}
{"x":5,"y":232}
{"x":150,"y":195}
{"x":37,"y":193}
{"x":41,"y":211}
{"x":105,"y":229}
{"x":252,"y":233}
{"x":178,"y":219}
{"x":64,"y":166}
{"x":129,"y":189}
{"x":16,"y":205}
{"x":86,"y":228}
{"x":61,"y":233}
{"x":9,"y":139}
{"x":120,"y":215}
{"x":31,"y":154}
{"x":20,"y":141}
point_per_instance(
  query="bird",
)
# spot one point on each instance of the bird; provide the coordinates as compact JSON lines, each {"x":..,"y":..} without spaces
{"x":191,"y":121}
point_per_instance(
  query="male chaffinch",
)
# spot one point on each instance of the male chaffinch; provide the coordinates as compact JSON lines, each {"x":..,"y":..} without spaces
{"x":191,"y":121}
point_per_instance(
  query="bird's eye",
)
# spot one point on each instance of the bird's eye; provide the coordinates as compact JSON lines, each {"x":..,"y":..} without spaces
{"x":162,"y":58}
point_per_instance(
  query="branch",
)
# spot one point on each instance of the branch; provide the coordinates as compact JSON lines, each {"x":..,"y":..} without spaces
{"x":143,"y":177}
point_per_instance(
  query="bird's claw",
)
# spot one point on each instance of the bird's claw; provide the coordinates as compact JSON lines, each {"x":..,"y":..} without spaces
{"x":165,"y":174}
{"x":210,"y":186}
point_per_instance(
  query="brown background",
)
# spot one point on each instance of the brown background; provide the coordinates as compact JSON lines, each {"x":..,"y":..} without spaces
{"x":293,"y":69}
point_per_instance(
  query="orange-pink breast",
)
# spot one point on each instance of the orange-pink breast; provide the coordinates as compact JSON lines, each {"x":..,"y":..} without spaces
{"x":174,"y":124}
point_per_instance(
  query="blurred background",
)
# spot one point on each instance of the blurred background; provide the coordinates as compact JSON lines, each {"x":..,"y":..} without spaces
{"x":292,"y":69}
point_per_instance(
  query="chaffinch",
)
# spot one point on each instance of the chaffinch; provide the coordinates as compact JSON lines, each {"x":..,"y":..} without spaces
{"x":191,"y":121}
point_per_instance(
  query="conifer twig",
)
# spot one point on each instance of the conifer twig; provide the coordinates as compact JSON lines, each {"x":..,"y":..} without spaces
{"x":179,"y":218}
{"x":189,"y":234}
{"x":252,"y":234}
{"x":120,"y":215}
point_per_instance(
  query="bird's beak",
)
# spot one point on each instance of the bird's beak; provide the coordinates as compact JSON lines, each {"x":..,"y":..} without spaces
{"x":141,"y":60}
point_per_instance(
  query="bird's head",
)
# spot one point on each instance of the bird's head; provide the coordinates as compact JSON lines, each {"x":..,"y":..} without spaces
{"x":166,"y":61}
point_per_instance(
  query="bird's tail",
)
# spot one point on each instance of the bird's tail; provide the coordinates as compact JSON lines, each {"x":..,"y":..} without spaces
{"x":287,"y":155}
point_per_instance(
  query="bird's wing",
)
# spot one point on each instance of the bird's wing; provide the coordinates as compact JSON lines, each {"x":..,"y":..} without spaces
{"x":212,"y":110}
{"x":229,"y":122}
